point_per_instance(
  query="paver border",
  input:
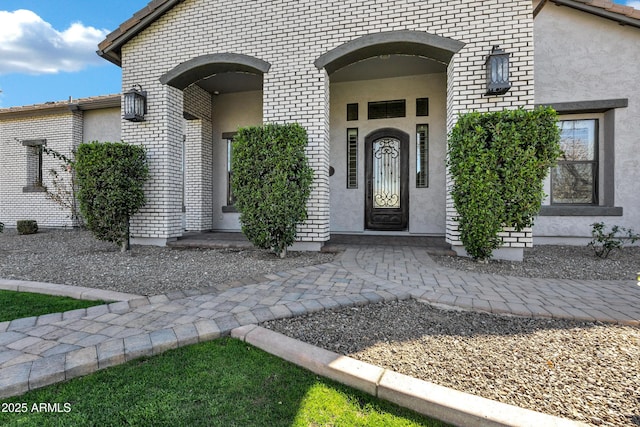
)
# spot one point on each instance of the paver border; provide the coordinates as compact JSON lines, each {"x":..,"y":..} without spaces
{"x":445,"y":404}
{"x":77,"y":292}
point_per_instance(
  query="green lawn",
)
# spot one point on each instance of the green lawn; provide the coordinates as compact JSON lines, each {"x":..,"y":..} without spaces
{"x":16,"y":305}
{"x":220,"y":383}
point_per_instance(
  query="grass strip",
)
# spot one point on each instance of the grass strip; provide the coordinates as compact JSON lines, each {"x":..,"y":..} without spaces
{"x":16,"y":305}
{"x":225,"y":382}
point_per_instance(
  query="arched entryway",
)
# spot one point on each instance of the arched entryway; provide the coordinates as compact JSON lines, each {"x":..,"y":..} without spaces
{"x":221,"y":92}
{"x":389,"y":87}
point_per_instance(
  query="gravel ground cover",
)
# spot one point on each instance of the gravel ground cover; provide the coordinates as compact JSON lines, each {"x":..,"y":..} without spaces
{"x":74,"y":257}
{"x":560,"y":262}
{"x":583,"y":371}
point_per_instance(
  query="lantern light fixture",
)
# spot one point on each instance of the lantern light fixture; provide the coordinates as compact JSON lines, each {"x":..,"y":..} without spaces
{"x":497,"y":65}
{"x":135,"y":104}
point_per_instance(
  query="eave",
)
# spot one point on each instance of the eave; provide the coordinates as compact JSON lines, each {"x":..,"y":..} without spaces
{"x":111,"y":47}
{"x":624,"y":15}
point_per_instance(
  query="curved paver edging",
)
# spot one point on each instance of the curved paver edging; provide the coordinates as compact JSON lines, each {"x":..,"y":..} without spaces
{"x":451,"y":406}
{"x":77,"y":292}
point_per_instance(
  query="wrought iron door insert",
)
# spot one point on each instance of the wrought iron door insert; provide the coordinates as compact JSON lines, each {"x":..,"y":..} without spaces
{"x":387,"y":178}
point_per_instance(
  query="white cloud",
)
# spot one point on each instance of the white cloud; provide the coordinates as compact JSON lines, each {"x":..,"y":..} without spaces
{"x":633,"y":3}
{"x":30,"y":45}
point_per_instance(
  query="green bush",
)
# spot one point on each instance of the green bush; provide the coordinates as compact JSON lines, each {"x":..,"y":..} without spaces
{"x":498,"y":162}
{"x":110,"y":178}
{"x":1,"y":227}
{"x":271,"y":183}
{"x":27,"y":226}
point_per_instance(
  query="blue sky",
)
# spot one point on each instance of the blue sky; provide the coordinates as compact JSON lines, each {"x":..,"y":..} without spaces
{"x":47,"y":48}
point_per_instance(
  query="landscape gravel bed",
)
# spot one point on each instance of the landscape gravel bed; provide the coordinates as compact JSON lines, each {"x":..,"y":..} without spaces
{"x":588,"y":372}
{"x":583,"y":371}
{"x":74,"y":257}
{"x":560,"y":262}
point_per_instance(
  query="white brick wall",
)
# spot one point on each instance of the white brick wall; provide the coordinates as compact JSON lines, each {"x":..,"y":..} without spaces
{"x":63,"y":132}
{"x":199,"y":160}
{"x":290,"y":35}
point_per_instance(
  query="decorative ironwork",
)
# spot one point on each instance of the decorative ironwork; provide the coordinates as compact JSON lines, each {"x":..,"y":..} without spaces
{"x":386,"y":173}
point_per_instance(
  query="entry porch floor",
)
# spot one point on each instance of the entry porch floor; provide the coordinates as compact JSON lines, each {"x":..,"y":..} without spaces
{"x":337,"y":242}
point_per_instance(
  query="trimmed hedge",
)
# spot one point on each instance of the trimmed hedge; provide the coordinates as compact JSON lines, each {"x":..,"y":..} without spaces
{"x":110,"y":177}
{"x":498,"y":162}
{"x":271,"y":183}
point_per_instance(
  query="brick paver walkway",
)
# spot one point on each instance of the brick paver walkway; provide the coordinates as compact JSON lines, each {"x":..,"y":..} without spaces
{"x":38,"y":351}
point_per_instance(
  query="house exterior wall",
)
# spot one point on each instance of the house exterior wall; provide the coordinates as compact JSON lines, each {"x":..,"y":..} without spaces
{"x":230,"y":112}
{"x":62,"y":131}
{"x":291,"y":35}
{"x":427,"y":205}
{"x":198,"y":160}
{"x":582,"y":57}
{"x":102,"y":125}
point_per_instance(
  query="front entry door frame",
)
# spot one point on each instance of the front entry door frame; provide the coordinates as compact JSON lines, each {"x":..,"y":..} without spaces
{"x":390,"y":218}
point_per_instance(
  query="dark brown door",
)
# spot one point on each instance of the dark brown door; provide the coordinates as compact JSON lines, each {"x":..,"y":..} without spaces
{"x":387,"y":180}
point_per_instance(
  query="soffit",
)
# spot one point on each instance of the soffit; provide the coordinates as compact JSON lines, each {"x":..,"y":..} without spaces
{"x":387,"y":66}
{"x":625,"y":15}
{"x":110,"y":47}
{"x":82,"y":104}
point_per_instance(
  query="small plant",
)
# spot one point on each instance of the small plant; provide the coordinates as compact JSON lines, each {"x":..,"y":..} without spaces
{"x":1,"y":227}
{"x":27,"y":226}
{"x":604,"y":242}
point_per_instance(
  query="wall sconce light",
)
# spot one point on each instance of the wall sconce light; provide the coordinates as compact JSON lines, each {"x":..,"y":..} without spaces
{"x":497,"y":65}
{"x":135,"y":104}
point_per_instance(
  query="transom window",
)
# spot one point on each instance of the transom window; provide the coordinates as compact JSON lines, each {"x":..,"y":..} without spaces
{"x":575,"y":179}
{"x":387,"y":109}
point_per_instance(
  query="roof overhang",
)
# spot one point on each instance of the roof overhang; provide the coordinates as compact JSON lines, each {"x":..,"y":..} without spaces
{"x":615,"y":13}
{"x":49,"y":108}
{"x":111,"y":47}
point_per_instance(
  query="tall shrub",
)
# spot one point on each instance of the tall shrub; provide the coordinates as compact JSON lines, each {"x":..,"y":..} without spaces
{"x":271,"y":183}
{"x":498,"y":162}
{"x":110,"y":178}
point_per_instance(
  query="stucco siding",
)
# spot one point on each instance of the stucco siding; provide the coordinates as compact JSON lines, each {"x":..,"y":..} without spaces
{"x":427,"y":205}
{"x":582,"y":57}
{"x":230,"y":112}
{"x":102,"y":125}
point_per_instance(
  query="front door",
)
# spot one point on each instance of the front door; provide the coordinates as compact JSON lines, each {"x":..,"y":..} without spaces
{"x":387,"y":180}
